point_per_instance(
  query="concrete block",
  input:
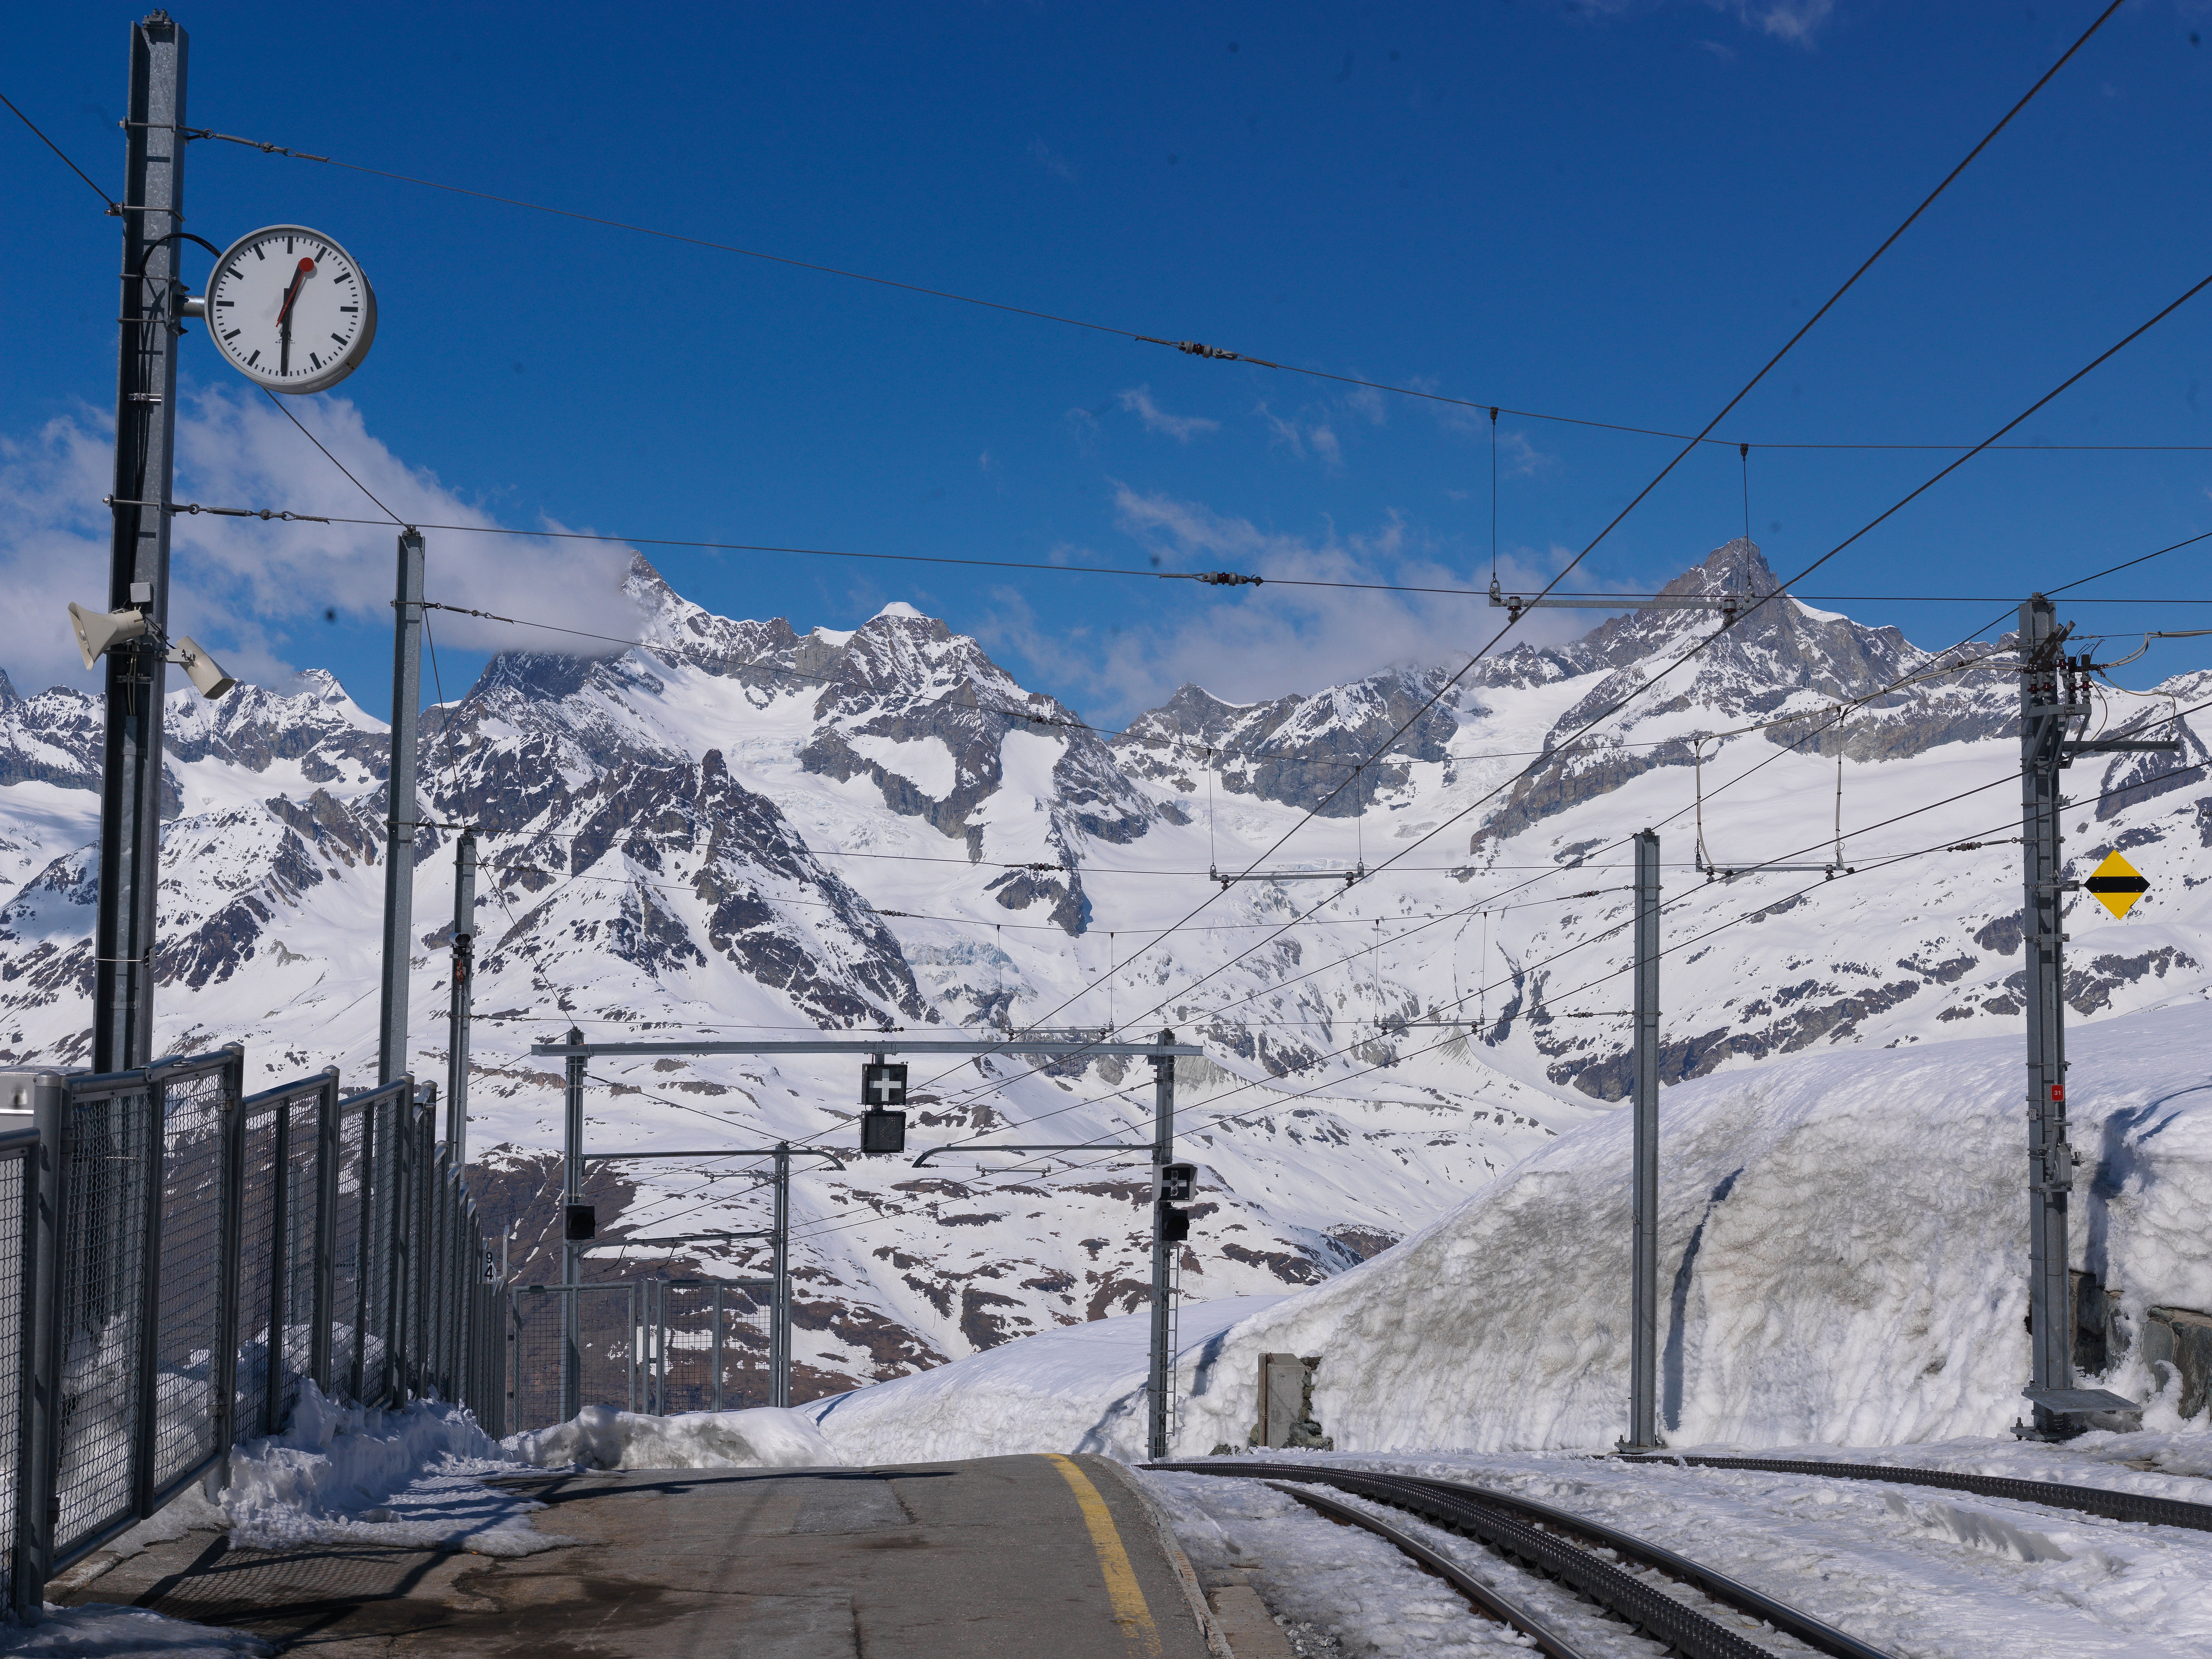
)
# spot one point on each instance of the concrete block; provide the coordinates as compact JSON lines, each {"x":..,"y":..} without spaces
{"x":2182,"y":1338}
{"x":1282,"y":1396}
{"x":1286,"y":1416}
{"x":1251,"y":1629}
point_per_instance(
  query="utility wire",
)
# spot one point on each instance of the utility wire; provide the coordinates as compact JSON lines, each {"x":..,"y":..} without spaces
{"x":1190,"y":347}
{"x":114,"y":208}
{"x":341,"y":466}
{"x":1768,"y":907}
{"x":1025,"y":1171}
{"x":1826,"y":305}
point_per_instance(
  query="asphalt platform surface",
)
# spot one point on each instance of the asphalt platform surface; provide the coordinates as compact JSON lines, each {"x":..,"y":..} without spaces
{"x":1053,"y":1557}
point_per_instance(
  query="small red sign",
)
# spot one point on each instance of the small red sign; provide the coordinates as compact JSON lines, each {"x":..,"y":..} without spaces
{"x":2058,"y":1093}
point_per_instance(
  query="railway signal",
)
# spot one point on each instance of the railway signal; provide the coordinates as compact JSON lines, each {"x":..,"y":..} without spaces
{"x":883,"y":1093}
{"x":1172,"y":1186}
{"x":2116,"y":884}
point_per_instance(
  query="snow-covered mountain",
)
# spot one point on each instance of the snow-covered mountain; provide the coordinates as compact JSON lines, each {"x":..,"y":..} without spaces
{"x":734,"y":828}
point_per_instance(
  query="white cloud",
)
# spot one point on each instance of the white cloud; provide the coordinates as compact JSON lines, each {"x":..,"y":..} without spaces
{"x":1138,"y":400}
{"x":1794,"y":21}
{"x":1316,"y":438}
{"x":1516,"y":456}
{"x":1365,"y":400}
{"x":1051,"y":160}
{"x":238,"y":585}
{"x":1246,"y":644}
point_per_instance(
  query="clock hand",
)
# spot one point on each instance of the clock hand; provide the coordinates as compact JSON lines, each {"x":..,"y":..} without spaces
{"x":284,"y":316}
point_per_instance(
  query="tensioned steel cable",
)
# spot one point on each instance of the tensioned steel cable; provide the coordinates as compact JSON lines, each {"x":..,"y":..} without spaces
{"x":1838,"y":715}
{"x":114,"y":208}
{"x":1763,"y":909}
{"x":1026,"y":1168}
{"x":1705,"y":644}
{"x":1767,"y":908}
{"x":1190,"y":347}
{"x":1834,"y":716}
{"x":1689,"y":447}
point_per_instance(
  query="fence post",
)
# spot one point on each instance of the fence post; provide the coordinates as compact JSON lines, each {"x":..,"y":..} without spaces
{"x":229,"y":1320}
{"x":364,"y":1266}
{"x":276,"y":1347}
{"x":146,"y":1360}
{"x":718,"y":1344}
{"x":398,"y":1107}
{"x":38,"y":1501}
{"x":327,"y":1144}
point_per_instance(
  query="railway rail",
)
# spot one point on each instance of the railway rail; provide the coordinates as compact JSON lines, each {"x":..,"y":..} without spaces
{"x":1537,"y":1537}
{"x":2089,"y":1500}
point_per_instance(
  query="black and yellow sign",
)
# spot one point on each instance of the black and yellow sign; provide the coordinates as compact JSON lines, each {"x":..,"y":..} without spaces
{"x":2116,"y":885}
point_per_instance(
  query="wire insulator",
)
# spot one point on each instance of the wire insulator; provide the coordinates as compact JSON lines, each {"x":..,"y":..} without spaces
{"x":1227,"y":579}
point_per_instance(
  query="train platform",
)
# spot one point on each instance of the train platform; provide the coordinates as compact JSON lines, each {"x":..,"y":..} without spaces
{"x":1058,"y":1557}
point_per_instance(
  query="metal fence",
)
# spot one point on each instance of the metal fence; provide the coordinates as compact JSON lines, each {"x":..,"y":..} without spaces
{"x":706,"y":1343}
{"x":177,"y":1258}
{"x":604,"y":1362}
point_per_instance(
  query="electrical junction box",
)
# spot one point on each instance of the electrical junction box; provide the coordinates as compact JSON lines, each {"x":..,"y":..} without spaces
{"x":882,"y":1132}
{"x":883,"y":1085}
{"x":579,"y":1222}
{"x":1174,"y":1183}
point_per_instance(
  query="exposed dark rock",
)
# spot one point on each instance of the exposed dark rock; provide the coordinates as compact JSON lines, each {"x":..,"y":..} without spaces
{"x":2001,"y":936}
{"x":2088,"y":989}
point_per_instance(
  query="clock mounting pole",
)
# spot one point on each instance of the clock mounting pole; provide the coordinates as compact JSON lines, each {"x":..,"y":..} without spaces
{"x":138,"y":559}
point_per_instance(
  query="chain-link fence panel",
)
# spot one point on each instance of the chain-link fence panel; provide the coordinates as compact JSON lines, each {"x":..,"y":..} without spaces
{"x":381,"y":1226}
{"x":707,"y":1345}
{"x":263,"y":1121}
{"x":278,"y":1199}
{"x":19,"y":1151}
{"x":188,"y":1328}
{"x":605,"y":1357}
{"x":197,"y":1256}
{"x":295,"y":1315}
{"x":349,"y":1284}
{"x":437,"y":1350}
{"x":107,"y":1187}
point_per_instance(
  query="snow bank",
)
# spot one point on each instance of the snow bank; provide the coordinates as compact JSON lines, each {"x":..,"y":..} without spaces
{"x":408,"y":1478}
{"x":1843,"y":1260}
{"x":766,"y":1438}
{"x":1077,"y":1388}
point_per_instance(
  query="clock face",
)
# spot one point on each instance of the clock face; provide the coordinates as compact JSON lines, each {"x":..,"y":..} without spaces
{"x":290,"y":309}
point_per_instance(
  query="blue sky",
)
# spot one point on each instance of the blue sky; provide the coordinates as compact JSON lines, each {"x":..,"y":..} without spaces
{"x":1614,"y":211}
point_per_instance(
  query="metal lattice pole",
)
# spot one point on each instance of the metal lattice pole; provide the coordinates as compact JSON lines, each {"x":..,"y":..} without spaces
{"x":457,"y":1029}
{"x":1163,"y":1334}
{"x":778,"y":1379}
{"x":1644,"y":1180}
{"x":139,"y":551}
{"x":572,"y":1249}
{"x":2046,"y":710}
{"x":399,"y":816}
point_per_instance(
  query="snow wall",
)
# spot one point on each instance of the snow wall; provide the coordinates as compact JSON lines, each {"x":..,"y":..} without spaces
{"x":1843,"y":1259}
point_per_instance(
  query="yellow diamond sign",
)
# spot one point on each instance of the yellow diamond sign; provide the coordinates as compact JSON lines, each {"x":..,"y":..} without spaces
{"x":2116,"y":885}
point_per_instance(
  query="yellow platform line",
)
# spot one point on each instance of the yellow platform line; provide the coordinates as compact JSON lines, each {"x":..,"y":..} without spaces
{"x":1128,"y":1596}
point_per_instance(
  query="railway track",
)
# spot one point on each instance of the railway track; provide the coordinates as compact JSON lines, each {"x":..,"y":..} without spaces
{"x":1540,"y":1538}
{"x":2088,"y":1500}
